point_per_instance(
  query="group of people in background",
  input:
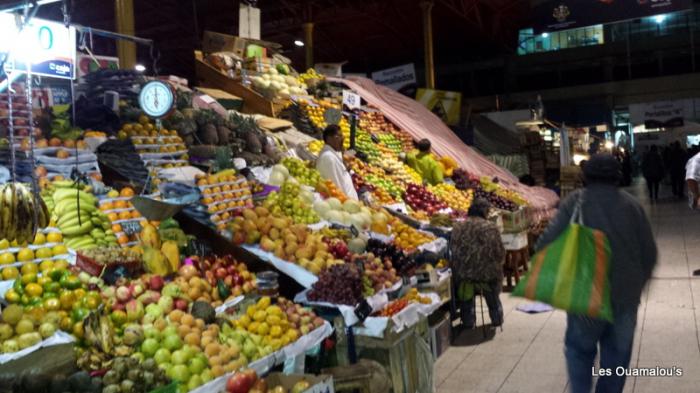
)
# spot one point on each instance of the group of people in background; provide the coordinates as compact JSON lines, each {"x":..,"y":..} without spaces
{"x":669,"y":163}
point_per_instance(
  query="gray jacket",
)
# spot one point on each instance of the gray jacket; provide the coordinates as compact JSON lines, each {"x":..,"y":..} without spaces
{"x":625,"y":223}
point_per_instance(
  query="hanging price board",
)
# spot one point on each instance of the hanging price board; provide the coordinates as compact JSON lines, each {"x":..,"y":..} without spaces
{"x":351,"y":100}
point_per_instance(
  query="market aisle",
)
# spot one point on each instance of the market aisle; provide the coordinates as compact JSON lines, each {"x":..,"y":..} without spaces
{"x":528,"y":355}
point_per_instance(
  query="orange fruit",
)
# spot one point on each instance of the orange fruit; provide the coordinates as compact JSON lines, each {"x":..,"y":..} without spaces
{"x":113,"y":216}
{"x":187,"y":319}
{"x":120,"y":205}
{"x":135,"y":214}
{"x":116,"y":228}
{"x":125,"y":215}
{"x":122,"y":239}
{"x":126,"y":192}
{"x":107,"y":206}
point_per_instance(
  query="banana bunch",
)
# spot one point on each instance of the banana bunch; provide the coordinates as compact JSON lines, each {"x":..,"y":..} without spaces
{"x":20,"y":214}
{"x":99,"y":332}
{"x":83,"y":226}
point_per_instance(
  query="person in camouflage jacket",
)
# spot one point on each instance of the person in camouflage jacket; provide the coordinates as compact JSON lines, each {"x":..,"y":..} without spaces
{"x":477,"y":257}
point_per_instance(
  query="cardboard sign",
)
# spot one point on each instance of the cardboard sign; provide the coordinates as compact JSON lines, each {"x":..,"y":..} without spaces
{"x":351,"y":99}
{"x":446,"y":105}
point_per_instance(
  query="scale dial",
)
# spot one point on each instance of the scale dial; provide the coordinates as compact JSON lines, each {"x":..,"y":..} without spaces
{"x":156,"y":99}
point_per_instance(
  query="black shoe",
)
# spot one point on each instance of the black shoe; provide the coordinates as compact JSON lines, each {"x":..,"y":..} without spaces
{"x":696,"y":272}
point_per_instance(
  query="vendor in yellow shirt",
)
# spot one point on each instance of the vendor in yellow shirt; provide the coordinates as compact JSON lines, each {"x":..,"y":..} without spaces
{"x":424,"y":163}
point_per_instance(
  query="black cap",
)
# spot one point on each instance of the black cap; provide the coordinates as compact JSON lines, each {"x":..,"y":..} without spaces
{"x":602,"y":168}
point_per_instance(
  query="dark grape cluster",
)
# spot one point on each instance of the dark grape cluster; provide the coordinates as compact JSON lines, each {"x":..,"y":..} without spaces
{"x":404,"y":264}
{"x":495,"y":200}
{"x":340,"y":284}
{"x":463,"y":181}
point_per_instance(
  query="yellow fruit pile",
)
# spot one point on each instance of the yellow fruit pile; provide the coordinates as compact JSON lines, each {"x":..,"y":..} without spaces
{"x":268,"y":321}
{"x":406,"y":237}
{"x":456,"y":199}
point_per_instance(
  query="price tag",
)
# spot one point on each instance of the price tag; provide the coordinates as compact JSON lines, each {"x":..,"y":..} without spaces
{"x":207,"y":99}
{"x":351,"y":99}
{"x":131,"y":227}
{"x":200,"y":248}
{"x":363,"y":310}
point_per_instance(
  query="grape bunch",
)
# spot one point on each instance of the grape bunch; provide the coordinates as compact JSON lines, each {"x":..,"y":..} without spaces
{"x":340,"y":284}
{"x":403,"y":264}
{"x":495,"y":200}
{"x":463,"y":180}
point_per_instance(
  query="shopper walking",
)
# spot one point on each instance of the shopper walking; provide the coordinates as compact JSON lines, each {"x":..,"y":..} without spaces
{"x":477,"y":261}
{"x":633,"y":257}
{"x":678,"y":159}
{"x":692,"y":178}
{"x":653,"y":171}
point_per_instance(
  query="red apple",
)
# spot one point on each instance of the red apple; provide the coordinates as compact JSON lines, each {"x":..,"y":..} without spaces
{"x":156,"y":283}
{"x":220,"y":273}
{"x":180,"y":304}
{"x":238,"y":383}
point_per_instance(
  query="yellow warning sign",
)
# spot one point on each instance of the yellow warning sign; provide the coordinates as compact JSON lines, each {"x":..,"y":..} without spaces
{"x":444,"y":104}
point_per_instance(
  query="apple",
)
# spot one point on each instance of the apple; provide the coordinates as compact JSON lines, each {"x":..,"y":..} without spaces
{"x":179,"y":357}
{"x":123,"y":294}
{"x":220,"y":273}
{"x":134,"y":310}
{"x":196,"y":365}
{"x":156,"y":283}
{"x":180,"y":373}
{"x":149,"y":347}
{"x":172,"y":342}
{"x":238,"y":383}
{"x":162,"y":356}
{"x":181,"y":304}
{"x":151,"y":332}
{"x":136,"y":289}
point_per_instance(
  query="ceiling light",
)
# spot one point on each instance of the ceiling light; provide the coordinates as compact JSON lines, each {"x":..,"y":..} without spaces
{"x":140,"y":68}
{"x":659,"y":19}
{"x":545,"y":35}
{"x":298,"y":43}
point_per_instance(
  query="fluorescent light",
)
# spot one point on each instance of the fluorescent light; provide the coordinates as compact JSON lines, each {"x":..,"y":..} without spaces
{"x":545,"y":35}
{"x":140,"y":68}
{"x":659,"y":19}
{"x":298,"y":43}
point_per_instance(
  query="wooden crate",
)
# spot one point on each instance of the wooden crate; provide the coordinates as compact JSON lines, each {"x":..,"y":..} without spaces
{"x":253,"y":102}
{"x":399,"y":353}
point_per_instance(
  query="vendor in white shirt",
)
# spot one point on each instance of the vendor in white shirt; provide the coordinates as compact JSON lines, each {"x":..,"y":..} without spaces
{"x":330,"y":161}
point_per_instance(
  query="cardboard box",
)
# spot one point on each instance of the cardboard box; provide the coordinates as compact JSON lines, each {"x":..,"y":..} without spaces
{"x":217,"y":42}
{"x":319,"y":383}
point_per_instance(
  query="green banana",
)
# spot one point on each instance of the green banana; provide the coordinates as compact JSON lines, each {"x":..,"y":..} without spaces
{"x":77,"y":230}
{"x":64,"y":194}
{"x":73,"y":216}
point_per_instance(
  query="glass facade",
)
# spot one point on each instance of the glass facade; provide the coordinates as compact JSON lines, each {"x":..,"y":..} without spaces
{"x":575,"y":38}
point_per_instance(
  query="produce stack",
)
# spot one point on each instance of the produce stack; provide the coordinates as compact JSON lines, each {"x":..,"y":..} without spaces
{"x":224,"y":194}
{"x":58,"y":159}
{"x":121,"y":213}
{"x":76,"y":215}
{"x":46,"y":248}
{"x":157,"y":148}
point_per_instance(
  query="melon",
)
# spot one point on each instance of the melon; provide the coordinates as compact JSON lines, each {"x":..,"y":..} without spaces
{"x":321,"y":208}
{"x":357,"y":245}
{"x":335,"y":216}
{"x":351,"y":206}
{"x":358,"y":222}
{"x":334,"y":203}
{"x":282,"y":169}
{"x":276,"y":179}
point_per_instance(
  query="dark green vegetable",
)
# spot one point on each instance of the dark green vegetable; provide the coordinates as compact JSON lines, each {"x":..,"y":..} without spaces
{"x":224,"y":291}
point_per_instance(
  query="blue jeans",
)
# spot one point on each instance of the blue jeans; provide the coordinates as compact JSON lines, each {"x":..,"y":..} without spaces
{"x":581,"y":345}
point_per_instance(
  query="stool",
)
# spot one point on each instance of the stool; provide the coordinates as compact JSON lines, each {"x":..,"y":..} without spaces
{"x":515,"y":260}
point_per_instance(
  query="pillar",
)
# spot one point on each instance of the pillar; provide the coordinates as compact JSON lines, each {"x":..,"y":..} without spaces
{"x":309,"y":43}
{"x":124,"y":21}
{"x":427,"y":7}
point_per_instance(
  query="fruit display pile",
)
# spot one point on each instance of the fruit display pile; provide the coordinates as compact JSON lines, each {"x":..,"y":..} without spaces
{"x":453,"y":197}
{"x":46,"y":247}
{"x":223,"y":194}
{"x":160,"y":148}
{"x":340,"y":284}
{"x":406,"y":237}
{"x":82,"y":224}
{"x":395,"y":307}
{"x":120,"y":211}
{"x":404,"y":264}
{"x":292,"y":202}
{"x":419,"y":198}
{"x":301,"y":171}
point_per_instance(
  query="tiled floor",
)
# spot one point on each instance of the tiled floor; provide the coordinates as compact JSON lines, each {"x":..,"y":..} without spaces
{"x":528,"y":355}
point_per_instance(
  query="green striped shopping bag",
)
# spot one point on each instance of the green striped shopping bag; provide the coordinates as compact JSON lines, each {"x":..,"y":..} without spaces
{"x":572,"y":272}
